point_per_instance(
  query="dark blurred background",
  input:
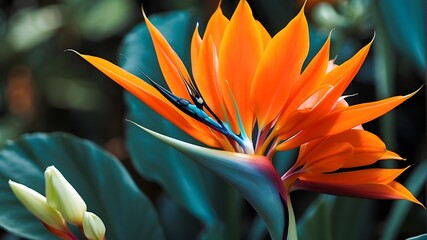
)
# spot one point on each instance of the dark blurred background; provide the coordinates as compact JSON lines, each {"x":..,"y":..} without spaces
{"x":44,"y":89}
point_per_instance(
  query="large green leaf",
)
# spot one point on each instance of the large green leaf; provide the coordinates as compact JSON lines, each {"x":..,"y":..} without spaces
{"x":186,"y":182}
{"x":333,"y":218}
{"x":405,"y":22}
{"x":100,"y":179}
{"x":316,"y":221}
{"x":252,"y":175}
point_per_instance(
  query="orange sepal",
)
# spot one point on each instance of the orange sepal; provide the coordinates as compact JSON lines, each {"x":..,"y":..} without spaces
{"x":367,"y":148}
{"x":150,"y":96}
{"x":348,"y":70}
{"x":391,"y":155}
{"x":239,"y":53}
{"x":279,"y":69}
{"x":172,"y":67}
{"x":207,"y":78}
{"x":392,"y":190}
{"x":196,"y":43}
{"x":344,"y":119}
{"x":327,"y":158}
{"x":309,"y":81}
{"x":372,"y":175}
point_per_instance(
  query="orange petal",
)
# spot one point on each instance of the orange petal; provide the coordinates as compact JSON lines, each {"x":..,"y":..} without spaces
{"x":171,"y":65}
{"x":150,"y":96}
{"x":403,"y":192}
{"x":347,"y":71}
{"x":344,"y":119}
{"x":328,"y":157}
{"x":340,"y":77}
{"x":311,"y":110}
{"x":207,"y":67}
{"x":207,"y":77}
{"x":279,"y":69}
{"x":393,"y":190}
{"x":372,"y":175}
{"x":196,"y":42}
{"x":391,"y":155}
{"x":367,"y":148}
{"x":216,"y":27}
{"x":239,"y":53}
{"x":309,"y":81}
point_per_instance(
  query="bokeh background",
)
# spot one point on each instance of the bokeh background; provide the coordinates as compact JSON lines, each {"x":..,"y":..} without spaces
{"x":44,"y":89}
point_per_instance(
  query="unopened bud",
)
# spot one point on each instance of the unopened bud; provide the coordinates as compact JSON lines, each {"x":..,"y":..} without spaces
{"x":37,"y":205}
{"x":62,"y":196}
{"x":93,"y":227}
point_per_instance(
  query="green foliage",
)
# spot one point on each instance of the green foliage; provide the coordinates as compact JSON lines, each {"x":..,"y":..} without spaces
{"x":405,"y":22}
{"x":335,"y":218}
{"x":99,"y":178}
{"x":316,"y":222}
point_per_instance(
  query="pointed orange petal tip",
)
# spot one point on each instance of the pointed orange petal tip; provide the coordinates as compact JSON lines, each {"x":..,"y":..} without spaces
{"x":143,"y":12}
{"x":303,"y":7}
{"x":389,"y":155}
{"x":86,"y":57}
{"x":73,"y":51}
{"x":219,"y":4}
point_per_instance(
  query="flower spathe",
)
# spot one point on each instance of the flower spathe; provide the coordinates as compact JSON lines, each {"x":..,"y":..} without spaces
{"x":249,"y":94}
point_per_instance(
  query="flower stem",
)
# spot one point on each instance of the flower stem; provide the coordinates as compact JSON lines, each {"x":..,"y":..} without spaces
{"x":292,"y":227}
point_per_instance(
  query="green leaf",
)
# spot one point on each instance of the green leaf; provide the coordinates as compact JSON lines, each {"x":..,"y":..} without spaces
{"x":405,"y":22}
{"x":316,"y":221}
{"x":419,"y":237}
{"x":99,"y":178}
{"x":330,"y":217}
{"x":258,"y":230}
{"x":352,"y":218}
{"x":252,"y":175}
{"x":187,"y":183}
{"x":177,"y":222}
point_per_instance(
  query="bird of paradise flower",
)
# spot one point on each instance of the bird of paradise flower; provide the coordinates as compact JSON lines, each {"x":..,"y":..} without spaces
{"x":249,"y":98}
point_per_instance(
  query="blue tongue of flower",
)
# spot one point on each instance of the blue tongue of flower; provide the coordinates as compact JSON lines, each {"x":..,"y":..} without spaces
{"x":196,"y":110}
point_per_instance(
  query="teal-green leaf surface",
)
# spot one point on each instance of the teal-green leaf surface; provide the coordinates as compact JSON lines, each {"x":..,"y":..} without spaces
{"x":252,"y":175}
{"x":334,"y":218}
{"x":316,"y":221}
{"x":405,"y":22}
{"x":98,"y":177}
{"x":187,"y":183}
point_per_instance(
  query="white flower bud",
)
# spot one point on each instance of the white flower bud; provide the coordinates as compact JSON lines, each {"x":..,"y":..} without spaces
{"x":62,"y":196}
{"x":37,"y":205}
{"x":93,"y":227}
